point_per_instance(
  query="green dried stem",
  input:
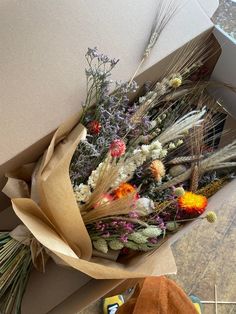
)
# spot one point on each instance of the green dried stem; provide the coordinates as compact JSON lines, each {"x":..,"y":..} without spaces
{"x":15,"y":266}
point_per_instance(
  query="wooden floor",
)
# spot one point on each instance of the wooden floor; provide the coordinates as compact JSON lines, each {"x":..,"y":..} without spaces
{"x":206,"y":257}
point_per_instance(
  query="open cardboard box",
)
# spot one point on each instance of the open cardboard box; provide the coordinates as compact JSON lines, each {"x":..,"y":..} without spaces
{"x":43,"y":64}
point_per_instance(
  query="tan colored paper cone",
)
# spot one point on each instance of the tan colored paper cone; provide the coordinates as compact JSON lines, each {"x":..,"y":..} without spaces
{"x":162,"y":262}
{"x":53,"y":216}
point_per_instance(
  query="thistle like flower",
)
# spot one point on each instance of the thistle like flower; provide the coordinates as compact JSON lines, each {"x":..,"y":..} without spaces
{"x":192,"y":203}
{"x":157,"y":169}
{"x":211,"y":217}
{"x":101,"y":245}
{"x":117,"y":148}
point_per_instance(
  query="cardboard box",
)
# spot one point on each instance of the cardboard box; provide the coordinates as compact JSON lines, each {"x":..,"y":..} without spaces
{"x":43,"y":65}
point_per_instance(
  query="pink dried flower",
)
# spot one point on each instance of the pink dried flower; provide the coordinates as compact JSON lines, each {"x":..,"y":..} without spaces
{"x":129,"y":227}
{"x":124,"y":238}
{"x":117,"y":148}
{"x":133,"y":214}
{"x":106,"y":235}
{"x":114,"y":223}
{"x":152,"y":240}
{"x":105,"y":198}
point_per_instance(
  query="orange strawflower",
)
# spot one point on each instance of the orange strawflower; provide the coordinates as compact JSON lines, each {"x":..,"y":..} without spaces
{"x":157,"y":169}
{"x":192,"y":203}
{"x":123,"y":190}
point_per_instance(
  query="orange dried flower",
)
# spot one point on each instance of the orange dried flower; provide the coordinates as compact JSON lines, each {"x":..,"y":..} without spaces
{"x":157,"y":169}
{"x":192,"y":203}
{"x":123,"y":190}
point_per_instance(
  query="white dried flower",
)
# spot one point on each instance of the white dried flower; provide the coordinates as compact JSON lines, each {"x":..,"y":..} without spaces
{"x":179,"y":142}
{"x":82,"y":193}
{"x":155,"y":154}
{"x":145,"y":149}
{"x":163,"y":153}
{"x":144,"y":206}
{"x":142,"y":99}
{"x":161,"y":88}
{"x":153,"y":124}
{"x":92,"y":181}
{"x":172,"y":145}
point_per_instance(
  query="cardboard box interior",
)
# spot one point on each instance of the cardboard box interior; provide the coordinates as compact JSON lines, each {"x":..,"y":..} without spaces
{"x":42,"y":58}
{"x":75,"y":290}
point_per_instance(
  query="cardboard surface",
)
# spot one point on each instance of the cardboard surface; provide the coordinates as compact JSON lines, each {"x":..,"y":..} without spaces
{"x":42,"y":83}
{"x":44,"y":291}
{"x":225,"y":70}
{"x":42,"y":63}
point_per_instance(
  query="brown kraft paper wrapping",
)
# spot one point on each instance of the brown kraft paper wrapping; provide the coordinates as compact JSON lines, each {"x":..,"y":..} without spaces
{"x":53,"y":216}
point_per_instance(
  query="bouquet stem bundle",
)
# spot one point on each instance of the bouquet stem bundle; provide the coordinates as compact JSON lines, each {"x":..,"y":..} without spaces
{"x":15,"y":266}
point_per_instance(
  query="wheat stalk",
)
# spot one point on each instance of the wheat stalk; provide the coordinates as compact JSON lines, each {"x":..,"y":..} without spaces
{"x":166,"y":10}
{"x":182,"y":126}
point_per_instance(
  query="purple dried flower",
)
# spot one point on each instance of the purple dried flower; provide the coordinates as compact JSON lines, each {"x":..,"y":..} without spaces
{"x":129,"y":227}
{"x":114,"y":62}
{"x":98,"y":225}
{"x":106,"y":235}
{"x":124,"y":238}
{"x":152,"y":240}
{"x":92,"y":52}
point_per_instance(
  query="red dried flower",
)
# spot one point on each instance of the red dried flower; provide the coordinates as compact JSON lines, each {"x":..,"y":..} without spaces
{"x":117,"y":148}
{"x":94,"y":127}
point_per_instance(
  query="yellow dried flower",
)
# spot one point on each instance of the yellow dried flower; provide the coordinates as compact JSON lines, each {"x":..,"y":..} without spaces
{"x":157,"y":169}
{"x":211,"y":217}
{"x":175,"y":82}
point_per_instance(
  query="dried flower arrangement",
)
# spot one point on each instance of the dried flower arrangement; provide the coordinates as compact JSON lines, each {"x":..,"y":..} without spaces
{"x":145,"y":171}
{"x":146,"y":167}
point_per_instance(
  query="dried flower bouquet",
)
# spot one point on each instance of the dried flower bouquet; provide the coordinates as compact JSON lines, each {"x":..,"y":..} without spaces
{"x":131,"y":170}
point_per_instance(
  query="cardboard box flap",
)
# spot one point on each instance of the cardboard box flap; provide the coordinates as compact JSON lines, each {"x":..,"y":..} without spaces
{"x":42,"y":56}
{"x":225,"y":70}
{"x":209,"y":6}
